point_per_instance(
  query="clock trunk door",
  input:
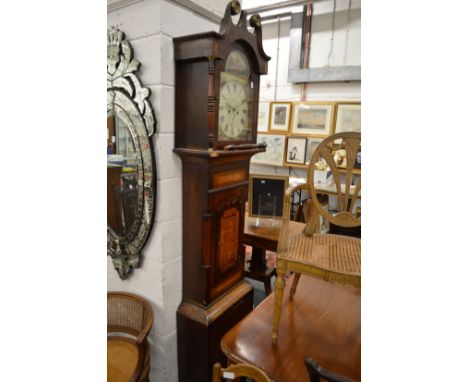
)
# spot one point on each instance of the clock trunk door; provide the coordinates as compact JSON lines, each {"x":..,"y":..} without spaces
{"x":228,"y":208}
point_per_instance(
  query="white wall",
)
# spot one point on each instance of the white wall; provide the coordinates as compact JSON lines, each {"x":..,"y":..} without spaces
{"x":149,"y":25}
{"x":275,"y":85}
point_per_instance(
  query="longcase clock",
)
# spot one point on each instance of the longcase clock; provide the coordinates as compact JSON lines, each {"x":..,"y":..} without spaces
{"x":217,"y":89}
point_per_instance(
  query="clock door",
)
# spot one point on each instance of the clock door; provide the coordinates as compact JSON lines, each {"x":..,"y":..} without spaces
{"x":235,"y":100}
{"x":228,"y":230}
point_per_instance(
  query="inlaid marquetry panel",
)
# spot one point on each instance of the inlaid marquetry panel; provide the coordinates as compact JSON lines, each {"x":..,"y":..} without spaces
{"x":229,"y":238}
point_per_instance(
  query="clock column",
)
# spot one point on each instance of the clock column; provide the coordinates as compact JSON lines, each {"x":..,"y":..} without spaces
{"x":215,"y":166}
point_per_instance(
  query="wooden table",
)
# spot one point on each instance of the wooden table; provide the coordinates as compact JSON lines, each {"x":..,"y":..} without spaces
{"x":263,"y":234}
{"x":323,"y":322}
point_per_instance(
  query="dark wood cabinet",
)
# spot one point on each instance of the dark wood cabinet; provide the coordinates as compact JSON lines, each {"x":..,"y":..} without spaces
{"x":217,"y":81}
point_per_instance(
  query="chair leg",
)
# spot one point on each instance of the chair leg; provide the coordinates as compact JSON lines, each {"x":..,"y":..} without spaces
{"x":279,"y":289}
{"x":292,"y":292}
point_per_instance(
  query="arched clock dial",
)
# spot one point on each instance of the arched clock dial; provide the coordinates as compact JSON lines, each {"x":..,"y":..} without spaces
{"x":235,"y":99}
{"x":233,"y":109}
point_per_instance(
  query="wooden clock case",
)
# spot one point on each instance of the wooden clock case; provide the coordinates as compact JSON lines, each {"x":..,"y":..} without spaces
{"x":215,"y":190}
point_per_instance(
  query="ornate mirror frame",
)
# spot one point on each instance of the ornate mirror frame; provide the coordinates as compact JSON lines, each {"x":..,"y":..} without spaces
{"x":127,"y":99}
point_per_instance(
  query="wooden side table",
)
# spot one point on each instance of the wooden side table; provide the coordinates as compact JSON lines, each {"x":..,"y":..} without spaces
{"x":264,"y":237}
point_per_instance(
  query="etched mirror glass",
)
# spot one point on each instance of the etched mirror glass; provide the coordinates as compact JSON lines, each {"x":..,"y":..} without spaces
{"x":131,"y":190}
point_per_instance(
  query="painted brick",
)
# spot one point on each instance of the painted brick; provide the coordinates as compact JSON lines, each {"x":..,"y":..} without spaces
{"x":168,"y":164}
{"x":164,"y":107}
{"x":169,"y":200}
{"x":178,"y":21}
{"x":138,"y":20}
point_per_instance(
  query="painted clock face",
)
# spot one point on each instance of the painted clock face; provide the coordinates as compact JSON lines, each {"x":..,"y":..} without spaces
{"x":235,"y":100}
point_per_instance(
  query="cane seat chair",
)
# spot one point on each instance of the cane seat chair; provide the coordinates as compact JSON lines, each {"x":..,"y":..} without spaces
{"x":129,"y":321}
{"x":239,"y":370}
{"x":335,"y":258}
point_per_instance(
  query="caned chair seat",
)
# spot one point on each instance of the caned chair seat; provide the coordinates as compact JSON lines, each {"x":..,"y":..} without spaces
{"x":122,"y":359}
{"x":335,"y":258}
{"x":129,"y":321}
{"x":332,"y":253}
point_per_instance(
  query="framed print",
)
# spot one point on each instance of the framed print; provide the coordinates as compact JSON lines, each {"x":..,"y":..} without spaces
{"x":313,"y":118}
{"x":266,"y":195}
{"x":296,"y":150}
{"x":312,"y":144}
{"x":348,"y":118}
{"x":280,"y":115}
{"x":274,"y":153}
{"x":263,"y":116}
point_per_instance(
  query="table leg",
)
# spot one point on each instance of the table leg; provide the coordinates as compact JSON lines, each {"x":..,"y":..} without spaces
{"x":258,"y":262}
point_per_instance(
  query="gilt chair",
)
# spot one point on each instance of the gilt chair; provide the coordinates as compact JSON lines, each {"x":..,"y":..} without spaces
{"x":319,"y":374}
{"x":129,"y":321}
{"x":238,"y":370}
{"x":334,"y":258}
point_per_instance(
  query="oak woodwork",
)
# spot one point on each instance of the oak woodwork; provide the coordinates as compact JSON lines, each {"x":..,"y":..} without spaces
{"x":322,"y":322}
{"x":215,"y":188}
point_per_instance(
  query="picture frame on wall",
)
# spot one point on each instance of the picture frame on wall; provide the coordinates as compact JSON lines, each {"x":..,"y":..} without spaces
{"x":266,"y":195}
{"x":312,"y":144}
{"x":296,"y":150}
{"x":348,"y":118}
{"x":263,"y":116}
{"x":280,"y":116}
{"x":273,"y":156}
{"x":313,"y":118}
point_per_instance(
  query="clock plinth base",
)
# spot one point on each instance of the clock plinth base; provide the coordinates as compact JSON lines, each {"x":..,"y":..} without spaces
{"x":200,"y":329}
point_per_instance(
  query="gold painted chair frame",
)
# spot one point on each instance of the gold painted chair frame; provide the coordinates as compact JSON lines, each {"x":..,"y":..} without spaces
{"x":333,"y":258}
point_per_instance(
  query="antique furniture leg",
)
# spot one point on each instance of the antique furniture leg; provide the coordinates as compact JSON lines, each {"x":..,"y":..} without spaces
{"x":279,"y":290}
{"x":292,"y":292}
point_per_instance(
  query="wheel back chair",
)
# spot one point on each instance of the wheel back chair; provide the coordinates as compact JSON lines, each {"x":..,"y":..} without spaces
{"x":239,"y":370}
{"x":129,"y":321}
{"x":334,"y":258}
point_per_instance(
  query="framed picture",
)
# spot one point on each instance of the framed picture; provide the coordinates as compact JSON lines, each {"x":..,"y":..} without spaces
{"x":348,"y":118}
{"x":312,"y":144}
{"x":263,"y":116}
{"x":266,"y":195}
{"x":280,"y":115}
{"x":274,"y":153}
{"x":296,"y":150}
{"x":313,"y":118}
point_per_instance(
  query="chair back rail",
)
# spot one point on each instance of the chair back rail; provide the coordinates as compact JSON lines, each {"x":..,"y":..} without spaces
{"x":343,"y":178}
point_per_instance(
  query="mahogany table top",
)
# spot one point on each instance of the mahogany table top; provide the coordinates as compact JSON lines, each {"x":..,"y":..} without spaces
{"x":323,"y":322}
{"x":266,"y":234}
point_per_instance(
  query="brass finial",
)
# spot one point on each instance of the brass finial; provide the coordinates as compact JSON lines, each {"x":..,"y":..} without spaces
{"x":255,"y":21}
{"x":235,"y":7}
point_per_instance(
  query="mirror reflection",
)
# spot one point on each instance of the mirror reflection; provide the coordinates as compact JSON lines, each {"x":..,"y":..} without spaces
{"x":122,"y":177}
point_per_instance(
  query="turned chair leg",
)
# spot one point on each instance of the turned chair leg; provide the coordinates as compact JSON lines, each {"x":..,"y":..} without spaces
{"x":292,"y":292}
{"x":279,"y":289}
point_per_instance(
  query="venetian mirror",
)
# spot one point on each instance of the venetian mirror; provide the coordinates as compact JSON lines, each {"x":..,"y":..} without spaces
{"x":131,"y":173}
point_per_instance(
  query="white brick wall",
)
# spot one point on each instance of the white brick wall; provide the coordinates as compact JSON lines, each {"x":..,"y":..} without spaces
{"x":149,"y":26}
